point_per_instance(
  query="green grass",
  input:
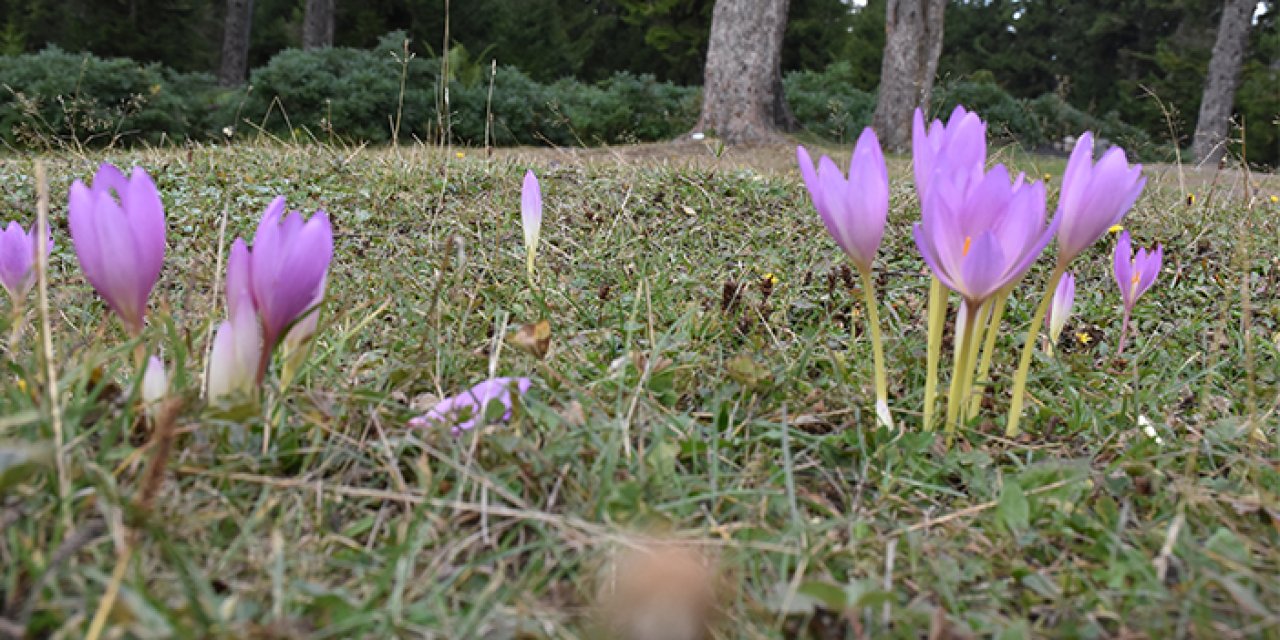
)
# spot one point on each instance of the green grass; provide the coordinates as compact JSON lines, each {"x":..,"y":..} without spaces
{"x":665,"y":407}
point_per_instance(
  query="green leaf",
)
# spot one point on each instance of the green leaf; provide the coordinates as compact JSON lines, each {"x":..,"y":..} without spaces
{"x":828,"y":595}
{"x":1013,"y":509}
{"x":1225,"y":543}
{"x":747,"y":372}
{"x":20,"y":461}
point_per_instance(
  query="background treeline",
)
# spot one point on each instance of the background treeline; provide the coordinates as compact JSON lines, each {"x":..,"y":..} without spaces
{"x":592,"y":71}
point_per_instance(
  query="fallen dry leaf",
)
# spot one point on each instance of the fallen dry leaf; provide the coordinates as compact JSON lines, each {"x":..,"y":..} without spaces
{"x":533,"y":339}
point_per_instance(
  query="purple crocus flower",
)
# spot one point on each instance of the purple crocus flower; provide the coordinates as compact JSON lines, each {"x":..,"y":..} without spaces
{"x":466,"y":410}
{"x":853,"y":209}
{"x":1134,"y":275}
{"x":18,"y":260}
{"x":1064,"y":298}
{"x":958,"y":147}
{"x":1094,"y":197}
{"x":118,"y":231}
{"x":237,"y":345}
{"x":286,"y":267}
{"x":979,"y":238}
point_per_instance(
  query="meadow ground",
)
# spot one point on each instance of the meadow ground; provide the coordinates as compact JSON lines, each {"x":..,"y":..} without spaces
{"x":708,"y":381}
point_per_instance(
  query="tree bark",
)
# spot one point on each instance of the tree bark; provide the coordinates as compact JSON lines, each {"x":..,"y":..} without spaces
{"x":742,"y":98}
{"x":234,"y":69}
{"x":1210,"y":142}
{"x":913,"y":42}
{"x":317,"y":24}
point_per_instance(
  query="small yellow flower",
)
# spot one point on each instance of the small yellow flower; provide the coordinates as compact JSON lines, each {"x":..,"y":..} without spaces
{"x":1115,"y":228}
{"x":22,"y":385}
{"x":1191,"y":198}
{"x":1084,"y":338}
{"x":771,"y":278}
{"x":1048,"y":177}
{"x":1275,"y":199}
{"x":459,"y":155}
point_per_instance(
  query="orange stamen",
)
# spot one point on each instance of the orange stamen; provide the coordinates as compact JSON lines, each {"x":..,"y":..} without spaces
{"x":968,"y":242}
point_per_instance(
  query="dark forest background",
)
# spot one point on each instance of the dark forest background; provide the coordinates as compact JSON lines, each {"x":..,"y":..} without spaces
{"x":1131,"y":67}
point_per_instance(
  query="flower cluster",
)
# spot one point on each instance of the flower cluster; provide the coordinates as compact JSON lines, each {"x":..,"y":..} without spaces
{"x":272,"y":291}
{"x":118,"y":230}
{"x":981,"y":230}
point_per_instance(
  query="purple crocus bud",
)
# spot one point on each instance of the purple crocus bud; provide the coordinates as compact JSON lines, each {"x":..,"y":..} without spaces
{"x":854,"y":209}
{"x":1064,"y":297}
{"x":155,"y":382}
{"x":237,"y":345}
{"x":118,"y":231}
{"x":531,"y":217}
{"x":958,"y":147}
{"x":1094,"y":197}
{"x":980,"y":239}
{"x":18,"y":260}
{"x":233,"y":360}
{"x":287,"y":266}
{"x":466,"y":410}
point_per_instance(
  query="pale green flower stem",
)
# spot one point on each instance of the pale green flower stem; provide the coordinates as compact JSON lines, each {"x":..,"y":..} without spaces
{"x":937,"y":317}
{"x":1028,"y":348}
{"x":877,"y":349}
{"x":15,"y":328}
{"x":991,"y":328}
{"x":962,"y":371}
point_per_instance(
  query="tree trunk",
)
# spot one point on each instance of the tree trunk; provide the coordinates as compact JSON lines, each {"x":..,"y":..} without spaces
{"x":913,"y":42}
{"x":1210,"y":142}
{"x":742,"y":99}
{"x":317,"y":24}
{"x":235,"y":43}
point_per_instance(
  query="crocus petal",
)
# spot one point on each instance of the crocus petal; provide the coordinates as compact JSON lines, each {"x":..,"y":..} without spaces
{"x":109,"y":178}
{"x":303,"y":329}
{"x":923,"y":149}
{"x":239,"y":283}
{"x":141,"y":201}
{"x":930,"y":255}
{"x":1148,"y":269}
{"x":1064,"y":298}
{"x":983,"y":268}
{"x":466,"y":410}
{"x":1122,"y":266}
{"x":120,"y":282}
{"x":807,"y":173}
